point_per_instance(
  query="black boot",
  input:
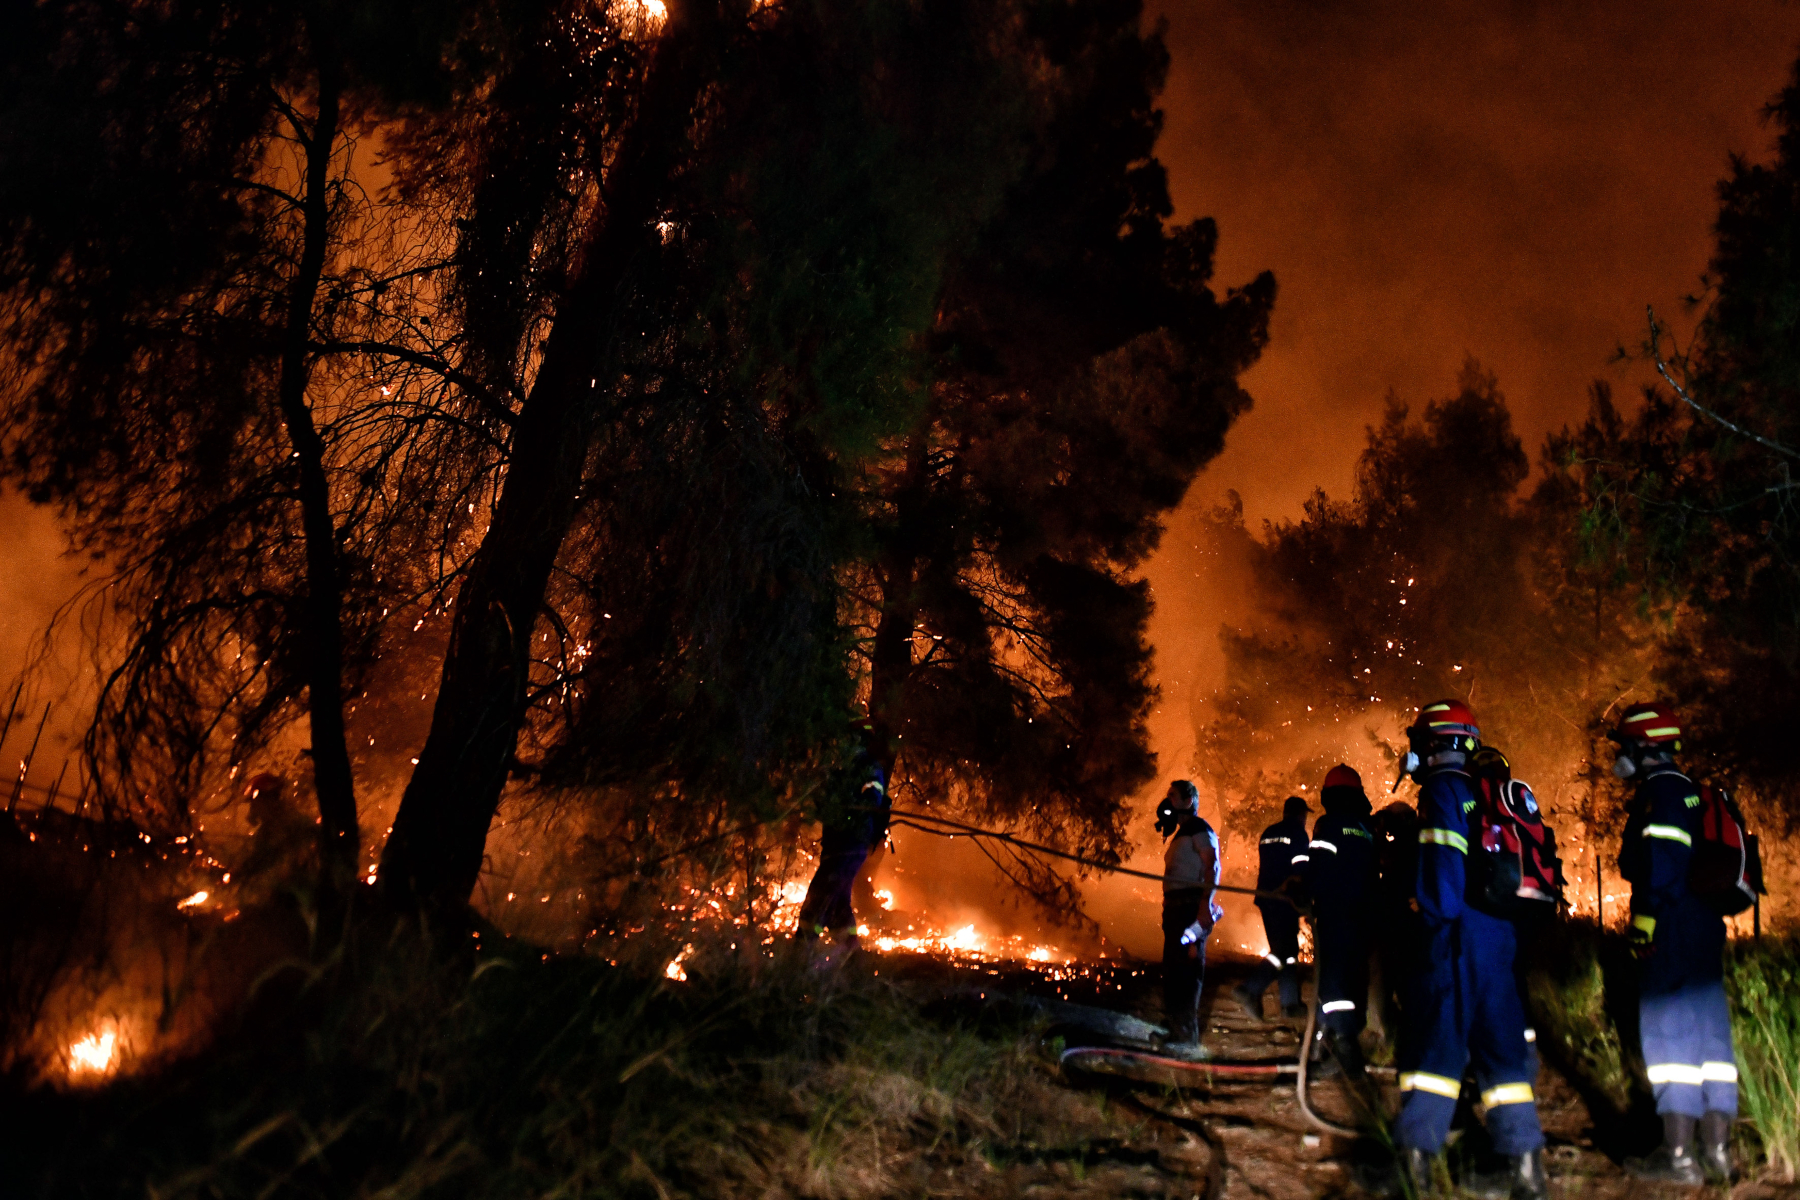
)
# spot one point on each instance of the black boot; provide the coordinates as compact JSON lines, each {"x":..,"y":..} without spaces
{"x":1529,"y":1181}
{"x":1348,"y":1053}
{"x":1715,"y":1149}
{"x":1416,"y":1170}
{"x":1674,"y":1161}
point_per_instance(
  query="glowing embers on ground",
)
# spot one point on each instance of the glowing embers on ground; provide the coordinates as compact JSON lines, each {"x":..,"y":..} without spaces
{"x":963,"y":944}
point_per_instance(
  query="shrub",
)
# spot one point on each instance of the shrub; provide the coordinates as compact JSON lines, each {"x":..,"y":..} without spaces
{"x":1763,"y":980}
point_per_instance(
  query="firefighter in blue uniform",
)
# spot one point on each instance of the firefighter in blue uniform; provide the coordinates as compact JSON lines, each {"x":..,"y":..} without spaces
{"x":1190,"y":910}
{"x":855,"y":821}
{"x":1340,"y":878}
{"x":1683,"y":1020}
{"x":1489,"y":764}
{"x":1281,"y":857}
{"x":1461,"y":1000}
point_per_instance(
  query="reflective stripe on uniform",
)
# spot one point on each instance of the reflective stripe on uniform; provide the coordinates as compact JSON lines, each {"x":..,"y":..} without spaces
{"x":1676,"y":1073}
{"x":1719,"y":1072}
{"x":1273,"y":960}
{"x":1322,"y":844}
{"x":1444,"y":837}
{"x":1424,"y":1081}
{"x":1507,"y":1093}
{"x":1530,"y":1034}
{"x":1301,"y":858}
{"x":1331,"y":1006}
{"x":1277,"y":841}
{"x":1673,"y":833}
{"x":1292,"y":960}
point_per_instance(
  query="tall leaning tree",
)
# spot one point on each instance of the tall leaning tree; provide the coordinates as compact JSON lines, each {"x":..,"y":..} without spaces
{"x":215,"y":368}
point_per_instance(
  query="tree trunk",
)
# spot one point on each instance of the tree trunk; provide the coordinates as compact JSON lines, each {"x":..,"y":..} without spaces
{"x":890,"y":663}
{"x":339,"y":848}
{"x":433,"y":857}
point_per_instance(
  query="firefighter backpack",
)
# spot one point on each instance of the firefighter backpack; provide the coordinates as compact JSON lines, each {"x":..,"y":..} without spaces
{"x":1514,"y":870}
{"x":1725,"y":872}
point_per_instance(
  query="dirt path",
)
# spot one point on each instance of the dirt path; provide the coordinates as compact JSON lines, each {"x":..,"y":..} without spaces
{"x":1249,"y":1139}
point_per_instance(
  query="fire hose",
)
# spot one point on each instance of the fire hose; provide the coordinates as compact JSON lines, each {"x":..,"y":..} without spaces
{"x":948,"y":828}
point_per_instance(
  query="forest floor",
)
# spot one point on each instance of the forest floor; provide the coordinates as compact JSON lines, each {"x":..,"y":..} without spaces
{"x":510,"y":1072}
{"x":1248,"y":1139}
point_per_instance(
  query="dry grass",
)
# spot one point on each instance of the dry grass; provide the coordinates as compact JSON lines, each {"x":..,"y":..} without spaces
{"x":510,"y":1075}
{"x":1763,"y":979}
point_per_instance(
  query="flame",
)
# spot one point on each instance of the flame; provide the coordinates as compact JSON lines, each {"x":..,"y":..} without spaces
{"x":193,"y":901}
{"x":886,"y":898}
{"x":94,"y":1054}
{"x":675,"y":970}
{"x":656,"y":10}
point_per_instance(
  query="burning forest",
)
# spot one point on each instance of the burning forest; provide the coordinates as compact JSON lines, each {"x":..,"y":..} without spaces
{"x":605,"y":596}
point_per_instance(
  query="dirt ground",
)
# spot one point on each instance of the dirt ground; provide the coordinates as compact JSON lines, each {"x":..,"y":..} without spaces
{"x":1248,"y":1139}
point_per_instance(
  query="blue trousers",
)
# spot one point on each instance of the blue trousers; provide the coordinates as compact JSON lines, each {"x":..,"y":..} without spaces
{"x":827,"y":905}
{"x":1281,"y":923}
{"x":1463,"y":1004}
{"x":1686,"y":1037}
{"x":1341,"y":942}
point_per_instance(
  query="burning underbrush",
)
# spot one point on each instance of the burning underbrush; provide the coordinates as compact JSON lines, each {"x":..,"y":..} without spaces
{"x":509,"y":1071}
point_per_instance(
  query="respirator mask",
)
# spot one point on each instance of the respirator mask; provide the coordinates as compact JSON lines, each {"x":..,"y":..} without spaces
{"x":1625,"y":766}
{"x":1173,"y":810}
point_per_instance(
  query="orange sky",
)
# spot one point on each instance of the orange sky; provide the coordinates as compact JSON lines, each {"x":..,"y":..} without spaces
{"x":1509,"y":180}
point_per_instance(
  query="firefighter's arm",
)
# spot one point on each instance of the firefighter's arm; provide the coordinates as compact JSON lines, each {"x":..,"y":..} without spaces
{"x":1668,"y":845}
{"x":1324,"y":868}
{"x":1443,"y":854}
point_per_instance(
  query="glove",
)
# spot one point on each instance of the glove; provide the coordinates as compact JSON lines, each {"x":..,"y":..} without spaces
{"x":1643,"y":930}
{"x":1193,"y":933}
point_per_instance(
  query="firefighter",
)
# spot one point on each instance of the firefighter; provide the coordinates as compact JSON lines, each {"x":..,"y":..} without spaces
{"x":1281,"y":858}
{"x":1683,"y":1020}
{"x":1395,"y":918}
{"x":1490,"y":766}
{"x":1462,"y":1001}
{"x":1340,"y":878}
{"x":1190,"y":910}
{"x":855,"y":821}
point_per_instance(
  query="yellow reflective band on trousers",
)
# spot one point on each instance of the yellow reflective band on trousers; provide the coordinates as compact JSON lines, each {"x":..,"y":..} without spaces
{"x":1672,"y":833}
{"x":1507,"y":1093}
{"x":1444,"y":837}
{"x":1424,"y":1081}
{"x":1676,"y":1073}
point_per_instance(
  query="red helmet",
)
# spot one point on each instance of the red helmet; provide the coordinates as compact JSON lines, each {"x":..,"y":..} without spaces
{"x":1342,"y":775}
{"x":1446,"y":719}
{"x":1652,"y":724}
{"x":264,"y":782}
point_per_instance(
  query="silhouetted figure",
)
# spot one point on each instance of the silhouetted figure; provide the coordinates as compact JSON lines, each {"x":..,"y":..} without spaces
{"x":855,"y":820}
{"x":1281,"y":858}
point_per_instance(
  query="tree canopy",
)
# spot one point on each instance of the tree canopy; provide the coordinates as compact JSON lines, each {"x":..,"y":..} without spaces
{"x":652,"y":360}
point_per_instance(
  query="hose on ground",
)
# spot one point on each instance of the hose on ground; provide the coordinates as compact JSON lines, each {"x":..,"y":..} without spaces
{"x":1300,"y":1082}
{"x":1312,"y":1012}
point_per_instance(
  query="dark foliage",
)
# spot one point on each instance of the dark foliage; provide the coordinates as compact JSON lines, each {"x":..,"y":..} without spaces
{"x":1082,"y":371}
